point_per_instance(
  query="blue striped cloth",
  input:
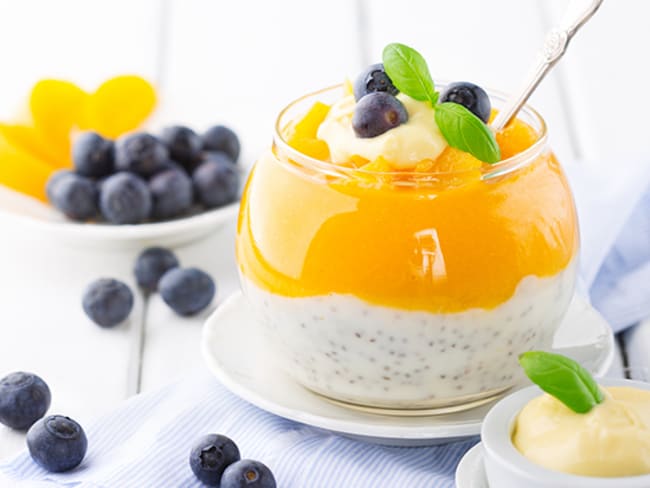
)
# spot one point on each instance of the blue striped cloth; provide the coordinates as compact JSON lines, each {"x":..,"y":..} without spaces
{"x":146,"y":443}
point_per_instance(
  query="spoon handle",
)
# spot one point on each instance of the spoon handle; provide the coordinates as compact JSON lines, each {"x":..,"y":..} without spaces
{"x":577,"y":14}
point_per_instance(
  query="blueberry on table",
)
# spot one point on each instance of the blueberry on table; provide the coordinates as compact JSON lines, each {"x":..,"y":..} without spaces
{"x":93,"y":156}
{"x":377,"y":113}
{"x":210,"y":456}
{"x":221,"y":138}
{"x":216,"y":183}
{"x":373,"y":79}
{"x":184,"y":145}
{"x":470,"y":96}
{"x":247,"y":474}
{"x":125,"y":199}
{"x":24,"y":398}
{"x":186,"y":290}
{"x":171,"y":193}
{"x":151,"y":265}
{"x":57,"y":443}
{"x":75,"y":196}
{"x":107,"y":302}
{"x":140,"y":153}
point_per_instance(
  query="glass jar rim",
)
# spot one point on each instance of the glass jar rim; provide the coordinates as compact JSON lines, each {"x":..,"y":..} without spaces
{"x":502,"y":167}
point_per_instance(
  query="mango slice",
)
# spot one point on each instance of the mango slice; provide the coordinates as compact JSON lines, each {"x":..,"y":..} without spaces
{"x":22,"y":171}
{"x":119,"y":105}
{"x":56,"y":106}
{"x":515,"y":137}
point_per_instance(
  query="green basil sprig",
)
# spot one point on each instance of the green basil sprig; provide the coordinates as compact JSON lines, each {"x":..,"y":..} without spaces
{"x":563,"y":378}
{"x":463,"y":130}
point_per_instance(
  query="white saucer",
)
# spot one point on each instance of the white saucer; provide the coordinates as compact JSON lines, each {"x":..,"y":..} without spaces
{"x":27,"y":211}
{"x":236,"y":353}
{"x":470,"y":472}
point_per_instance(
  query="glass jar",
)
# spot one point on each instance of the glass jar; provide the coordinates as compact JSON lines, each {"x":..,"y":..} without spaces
{"x":407,"y":292}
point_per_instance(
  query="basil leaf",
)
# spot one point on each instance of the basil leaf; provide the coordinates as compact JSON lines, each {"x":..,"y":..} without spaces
{"x":465,"y":131}
{"x":563,"y":378}
{"x":408,"y":71}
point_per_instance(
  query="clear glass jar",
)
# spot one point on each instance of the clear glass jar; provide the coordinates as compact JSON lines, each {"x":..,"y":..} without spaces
{"x":407,"y":292}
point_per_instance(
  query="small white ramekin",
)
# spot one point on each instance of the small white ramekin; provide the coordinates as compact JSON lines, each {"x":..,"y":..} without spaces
{"x":506,"y":467}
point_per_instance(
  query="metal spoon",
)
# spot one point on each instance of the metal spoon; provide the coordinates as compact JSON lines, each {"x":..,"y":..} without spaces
{"x":577,"y":14}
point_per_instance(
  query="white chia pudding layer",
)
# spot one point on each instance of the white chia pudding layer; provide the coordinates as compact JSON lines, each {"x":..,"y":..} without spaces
{"x":357,"y":352}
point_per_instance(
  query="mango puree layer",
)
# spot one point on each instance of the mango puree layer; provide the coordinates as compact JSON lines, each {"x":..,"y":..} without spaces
{"x":430,"y":248}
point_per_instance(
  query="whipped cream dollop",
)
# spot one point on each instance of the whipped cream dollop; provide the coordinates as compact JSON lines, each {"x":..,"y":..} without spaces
{"x":612,"y":439}
{"x":402,"y":147}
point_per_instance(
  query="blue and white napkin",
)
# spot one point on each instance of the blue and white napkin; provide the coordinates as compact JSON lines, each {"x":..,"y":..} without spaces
{"x":146,"y":442}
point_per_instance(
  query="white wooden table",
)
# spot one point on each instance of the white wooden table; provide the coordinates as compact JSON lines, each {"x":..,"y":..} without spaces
{"x":239,"y":63}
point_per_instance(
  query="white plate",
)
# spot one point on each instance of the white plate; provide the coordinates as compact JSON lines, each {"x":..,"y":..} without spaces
{"x":471,"y":470}
{"x":20,"y":209}
{"x":236,"y":353}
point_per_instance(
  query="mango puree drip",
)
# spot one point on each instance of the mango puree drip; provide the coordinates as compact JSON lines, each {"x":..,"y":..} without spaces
{"x":437,"y":248}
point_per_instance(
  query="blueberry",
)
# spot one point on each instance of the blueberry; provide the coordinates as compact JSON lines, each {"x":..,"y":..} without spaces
{"x":57,"y":443}
{"x":210,"y":456}
{"x":221,"y":138}
{"x":373,"y":79}
{"x":247,"y":474}
{"x":216,"y":183}
{"x":125,"y":199}
{"x":53,"y":180}
{"x":377,"y":113}
{"x":218,"y":156}
{"x":170,"y":164}
{"x":24,"y":398}
{"x":75,"y":196}
{"x":470,"y":96}
{"x":186,"y":290}
{"x":140,"y":153}
{"x":151,"y":264}
{"x":171,"y":193}
{"x":184,"y":145}
{"x":93,"y":156}
{"x":107,"y":302}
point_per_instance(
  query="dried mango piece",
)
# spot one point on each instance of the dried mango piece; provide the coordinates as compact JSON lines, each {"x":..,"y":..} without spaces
{"x":119,"y":105}
{"x":56,"y":106}
{"x":22,"y":172}
{"x":31,"y":141}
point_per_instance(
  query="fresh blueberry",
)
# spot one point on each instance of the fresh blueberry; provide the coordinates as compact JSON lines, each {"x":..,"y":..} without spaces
{"x":140,"y":153}
{"x":377,"y":113}
{"x":107,"y":302}
{"x":171,"y":193}
{"x":57,"y":443}
{"x":373,"y":79}
{"x":125,"y":199}
{"x":470,"y":96}
{"x":53,"y":180}
{"x":75,"y":196}
{"x":216,"y":183}
{"x":221,"y":138}
{"x":24,"y":398}
{"x":247,"y":474}
{"x":186,"y":290}
{"x":218,"y":156}
{"x":170,"y":164}
{"x":93,"y":156}
{"x":210,"y":456}
{"x":184,"y":145}
{"x":151,"y":264}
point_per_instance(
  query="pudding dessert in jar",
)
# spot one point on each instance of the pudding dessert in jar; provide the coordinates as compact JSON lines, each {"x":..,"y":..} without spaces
{"x":399,"y":255}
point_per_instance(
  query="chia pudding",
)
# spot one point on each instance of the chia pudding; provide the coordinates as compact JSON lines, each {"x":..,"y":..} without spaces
{"x":360,"y":353}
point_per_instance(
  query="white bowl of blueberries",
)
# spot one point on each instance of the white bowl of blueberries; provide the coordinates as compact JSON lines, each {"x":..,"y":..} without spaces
{"x":167,"y":189}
